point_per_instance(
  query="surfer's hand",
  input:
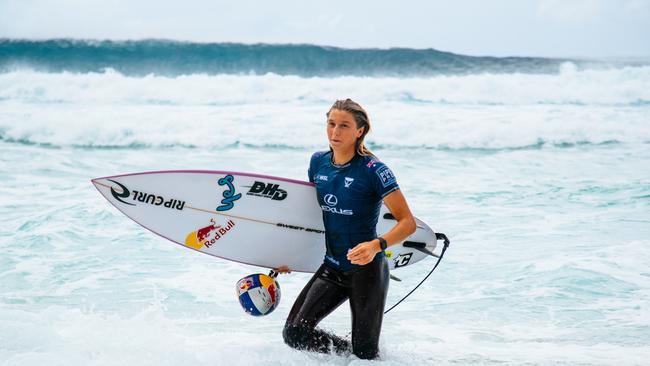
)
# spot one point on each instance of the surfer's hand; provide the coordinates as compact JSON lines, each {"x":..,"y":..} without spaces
{"x":282,"y":269}
{"x":364,"y":252}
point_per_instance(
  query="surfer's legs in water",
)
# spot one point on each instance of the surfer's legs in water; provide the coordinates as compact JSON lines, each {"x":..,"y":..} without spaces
{"x":366,"y":288}
{"x":320,"y":297}
{"x":369,"y":286}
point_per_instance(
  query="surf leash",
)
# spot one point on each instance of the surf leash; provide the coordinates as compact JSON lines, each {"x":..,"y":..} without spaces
{"x":418,"y":246}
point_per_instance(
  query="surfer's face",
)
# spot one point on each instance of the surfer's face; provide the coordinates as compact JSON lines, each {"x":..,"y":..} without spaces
{"x":342,"y":131}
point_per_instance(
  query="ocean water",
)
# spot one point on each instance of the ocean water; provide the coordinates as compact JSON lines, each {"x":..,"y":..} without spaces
{"x":537,"y":169}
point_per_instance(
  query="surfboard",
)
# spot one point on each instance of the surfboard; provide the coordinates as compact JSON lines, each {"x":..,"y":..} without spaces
{"x":249,"y":218}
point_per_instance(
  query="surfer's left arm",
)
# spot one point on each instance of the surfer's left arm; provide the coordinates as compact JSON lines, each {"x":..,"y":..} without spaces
{"x":364,"y":252}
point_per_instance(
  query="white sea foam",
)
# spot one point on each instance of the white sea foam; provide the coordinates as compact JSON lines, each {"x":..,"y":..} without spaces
{"x":474,"y":111}
{"x":615,"y":86}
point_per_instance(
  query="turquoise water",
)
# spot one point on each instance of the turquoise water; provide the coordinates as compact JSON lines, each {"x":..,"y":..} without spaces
{"x":165,"y":57}
{"x":540,"y":180}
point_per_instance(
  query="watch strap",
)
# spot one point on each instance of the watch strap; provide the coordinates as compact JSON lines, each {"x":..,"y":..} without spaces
{"x":382,"y":243}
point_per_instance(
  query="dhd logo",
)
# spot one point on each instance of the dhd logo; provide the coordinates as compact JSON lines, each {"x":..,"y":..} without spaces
{"x":268,"y":190}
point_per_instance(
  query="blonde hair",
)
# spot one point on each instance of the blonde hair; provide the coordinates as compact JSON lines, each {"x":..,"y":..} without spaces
{"x":361,"y":119}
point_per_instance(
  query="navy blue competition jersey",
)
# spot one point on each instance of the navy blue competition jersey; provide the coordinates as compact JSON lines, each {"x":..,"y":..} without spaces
{"x":350,"y":196}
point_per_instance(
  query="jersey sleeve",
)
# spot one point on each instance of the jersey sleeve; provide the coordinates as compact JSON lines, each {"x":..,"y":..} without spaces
{"x":313,"y":164}
{"x":382,"y":179}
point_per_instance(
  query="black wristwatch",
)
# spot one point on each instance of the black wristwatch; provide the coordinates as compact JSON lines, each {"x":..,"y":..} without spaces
{"x":382,"y":243}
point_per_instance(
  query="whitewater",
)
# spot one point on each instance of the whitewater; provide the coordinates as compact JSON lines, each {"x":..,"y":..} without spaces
{"x":540,"y":179}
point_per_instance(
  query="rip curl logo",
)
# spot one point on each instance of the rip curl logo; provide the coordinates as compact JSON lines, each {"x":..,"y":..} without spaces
{"x":145,"y":197}
{"x":125,"y":193}
{"x":229,"y":195}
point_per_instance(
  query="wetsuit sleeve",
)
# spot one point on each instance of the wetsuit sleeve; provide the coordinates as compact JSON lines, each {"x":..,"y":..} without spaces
{"x":382,"y":179}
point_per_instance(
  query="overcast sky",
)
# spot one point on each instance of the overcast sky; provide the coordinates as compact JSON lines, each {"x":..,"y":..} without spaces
{"x":554,"y":28}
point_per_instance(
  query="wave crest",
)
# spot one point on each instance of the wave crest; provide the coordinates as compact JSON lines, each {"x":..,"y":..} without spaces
{"x":172,"y":58}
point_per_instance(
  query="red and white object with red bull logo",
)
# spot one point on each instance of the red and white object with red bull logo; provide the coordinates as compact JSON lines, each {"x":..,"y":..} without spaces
{"x":258,"y":294}
{"x":249,"y":218}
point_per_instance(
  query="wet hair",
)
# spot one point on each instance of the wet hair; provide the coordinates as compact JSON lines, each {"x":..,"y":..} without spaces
{"x":361,"y":119}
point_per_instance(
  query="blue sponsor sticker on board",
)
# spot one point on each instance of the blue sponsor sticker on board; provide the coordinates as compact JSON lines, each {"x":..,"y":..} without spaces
{"x":386,"y":176}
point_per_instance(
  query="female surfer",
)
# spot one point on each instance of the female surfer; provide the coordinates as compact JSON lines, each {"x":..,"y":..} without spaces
{"x":351,"y":184}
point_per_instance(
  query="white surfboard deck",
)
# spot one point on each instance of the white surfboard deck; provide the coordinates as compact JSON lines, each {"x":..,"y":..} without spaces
{"x":248,"y":218}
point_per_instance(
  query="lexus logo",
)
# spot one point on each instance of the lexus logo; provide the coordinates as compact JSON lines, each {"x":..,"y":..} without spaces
{"x":330,"y":199}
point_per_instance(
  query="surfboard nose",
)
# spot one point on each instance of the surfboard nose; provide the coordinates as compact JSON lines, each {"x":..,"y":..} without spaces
{"x":95,"y":182}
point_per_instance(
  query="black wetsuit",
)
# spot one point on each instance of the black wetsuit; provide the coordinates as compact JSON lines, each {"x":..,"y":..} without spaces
{"x":350,"y":197}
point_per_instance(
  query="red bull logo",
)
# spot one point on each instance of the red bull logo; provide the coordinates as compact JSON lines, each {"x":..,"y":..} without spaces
{"x":209,"y":235}
{"x":203,"y":233}
{"x":245,"y":283}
